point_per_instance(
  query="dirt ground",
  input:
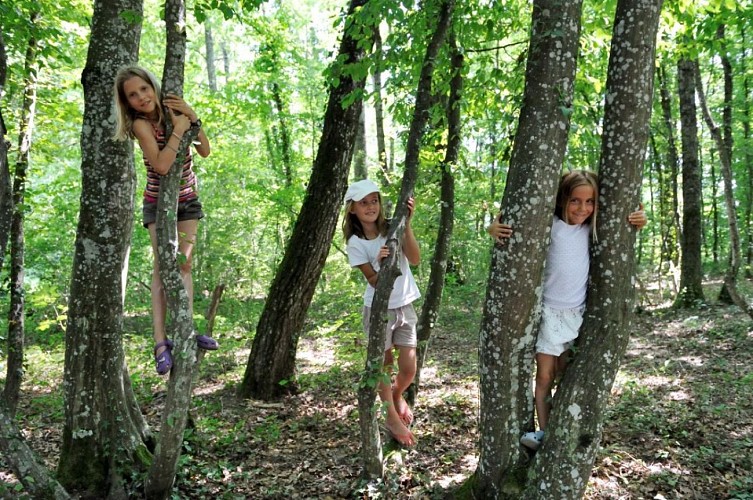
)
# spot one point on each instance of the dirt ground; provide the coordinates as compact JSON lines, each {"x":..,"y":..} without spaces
{"x":679,"y":426}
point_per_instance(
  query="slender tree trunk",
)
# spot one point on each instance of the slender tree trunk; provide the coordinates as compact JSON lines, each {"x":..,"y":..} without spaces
{"x":282,"y":114}
{"x":371,"y":451}
{"x":691,"y":270}
{"x":671,"y":220}
{"x":506,"y":341}
{"x":15,"y":369}
{"x":6,"y":187}
{"x":272,"y":358}
{"x":105,"y":435}
{"x":379,"y":109}
{"x":180,"y":327}
{"x":715,"y":236}
{"x":209,"y":46}
{"x":562,"y":466}
{"x":724,"y":148}
{"x":360,"y":170}
{"x":433,"y":296}
{"x":225,"y":62}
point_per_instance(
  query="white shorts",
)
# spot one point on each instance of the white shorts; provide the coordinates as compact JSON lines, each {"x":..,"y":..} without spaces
{"x":401,"y":326}
{"x":558,"y":329}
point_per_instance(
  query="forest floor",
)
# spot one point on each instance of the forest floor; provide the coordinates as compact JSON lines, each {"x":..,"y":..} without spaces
{"x":679,"y":425}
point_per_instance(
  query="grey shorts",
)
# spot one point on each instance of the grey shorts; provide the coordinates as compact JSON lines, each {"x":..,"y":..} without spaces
{"x":187,"y":210}
{"x":401,"y":326}
{"x":558,"y":330}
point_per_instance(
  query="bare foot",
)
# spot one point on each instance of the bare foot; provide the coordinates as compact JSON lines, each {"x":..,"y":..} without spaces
{"x":400,"y":433}
{"x":402,"y":408}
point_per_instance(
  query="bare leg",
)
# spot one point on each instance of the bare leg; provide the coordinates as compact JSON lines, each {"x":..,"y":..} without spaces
{"x":406,"y":372}
{"x":187,"y":230}
{"x":393,"y":422}
{"x":545,"y":371}
{"x":159,"y":301}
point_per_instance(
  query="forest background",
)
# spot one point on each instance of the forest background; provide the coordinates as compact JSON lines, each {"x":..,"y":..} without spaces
{"x":262,"y":107}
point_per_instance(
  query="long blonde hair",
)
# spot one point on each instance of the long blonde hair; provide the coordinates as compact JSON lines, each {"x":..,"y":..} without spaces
{"x":352,"y":226}
{"x":124,"y":113}
{"x":568,"y":182}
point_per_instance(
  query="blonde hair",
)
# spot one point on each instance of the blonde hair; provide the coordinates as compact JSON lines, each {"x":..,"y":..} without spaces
{"x":568,"y":182}
{"x":352,"y":226}
{"x":124,"y":113}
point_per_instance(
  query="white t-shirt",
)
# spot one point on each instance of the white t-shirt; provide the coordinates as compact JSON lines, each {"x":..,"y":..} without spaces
{"x":567,"y":265}
{"x":404,"y":291}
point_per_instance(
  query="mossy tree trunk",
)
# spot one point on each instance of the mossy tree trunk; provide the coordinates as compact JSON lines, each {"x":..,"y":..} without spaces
{"x":104,"y":434}
{"x":508,"y":326}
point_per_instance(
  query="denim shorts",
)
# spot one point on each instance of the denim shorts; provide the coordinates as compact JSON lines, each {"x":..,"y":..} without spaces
{"x":187,"y":210}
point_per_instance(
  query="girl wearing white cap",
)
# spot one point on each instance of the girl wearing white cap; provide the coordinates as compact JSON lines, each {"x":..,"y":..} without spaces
{"x":365,"y":230}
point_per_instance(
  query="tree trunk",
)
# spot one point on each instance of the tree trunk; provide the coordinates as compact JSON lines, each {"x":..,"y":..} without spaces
{"x":272,"y":358}
{"x":506,"y":340}
{"x":180,"y":327}
{"x":562,"y":466}
{"x":360,"y":170}
{"x":209,"y":46}
{"x":15,"y":368}
{"x":35,"y":478}
{"x":691,"y":270}
{"x":384,"y":169}
{"x":433,"y":296}
{"x":371,"y":451}
{"x":104,"y":433}
{"x":725,"y":149}
{"x":282,"y":114}
{"x":670,"y":219}
{"x":6,"y":188}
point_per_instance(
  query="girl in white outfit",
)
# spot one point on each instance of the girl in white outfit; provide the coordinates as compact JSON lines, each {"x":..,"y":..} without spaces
{"x":365,"y":230}
{"x":565,"y":283}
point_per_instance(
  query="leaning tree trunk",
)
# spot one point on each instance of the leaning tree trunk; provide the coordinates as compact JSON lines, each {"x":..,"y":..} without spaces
{"x":691,"y":269}
{"x":730,"y":277}
{"x":6,"y":188}
{"x":371,"y":449}
{"x":506,"y":340}
{"x":272,"y":358}
{"x":15,"y":368}
{"x":180,"y":327}
{"x":35,"y":478}
{"x":562,"y":466}
{"x":433,"y":296}
{"x":104,"y":433}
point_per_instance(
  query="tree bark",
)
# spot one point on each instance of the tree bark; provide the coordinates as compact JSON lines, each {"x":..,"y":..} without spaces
{"x":104,"y":433}
{"x":180,"y":328}
{"x":562,"y":466}
{"x":15,"y":368}
{"x":511,"y":310}
{"x":272,"y":358}
{"x":441,"y":255}
{"x":691,"y":270}
{"x":725,"y":149}
{"x":748,"y":154}
{"x":371,"y":451}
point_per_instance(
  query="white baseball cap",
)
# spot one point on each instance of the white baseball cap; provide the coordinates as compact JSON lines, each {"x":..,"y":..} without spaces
{"x":358,"y":190}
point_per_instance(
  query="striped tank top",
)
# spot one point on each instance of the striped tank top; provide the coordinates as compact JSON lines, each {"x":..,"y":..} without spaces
{"x":188,"y":185}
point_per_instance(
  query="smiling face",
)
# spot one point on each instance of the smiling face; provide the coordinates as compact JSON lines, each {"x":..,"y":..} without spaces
{"x":367,"y":209}
{"x":141,"y":96}
{"x":581,"y":204}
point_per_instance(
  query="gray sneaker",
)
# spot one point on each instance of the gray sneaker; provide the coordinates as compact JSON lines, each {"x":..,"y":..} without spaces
{"x":532,"y":440}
